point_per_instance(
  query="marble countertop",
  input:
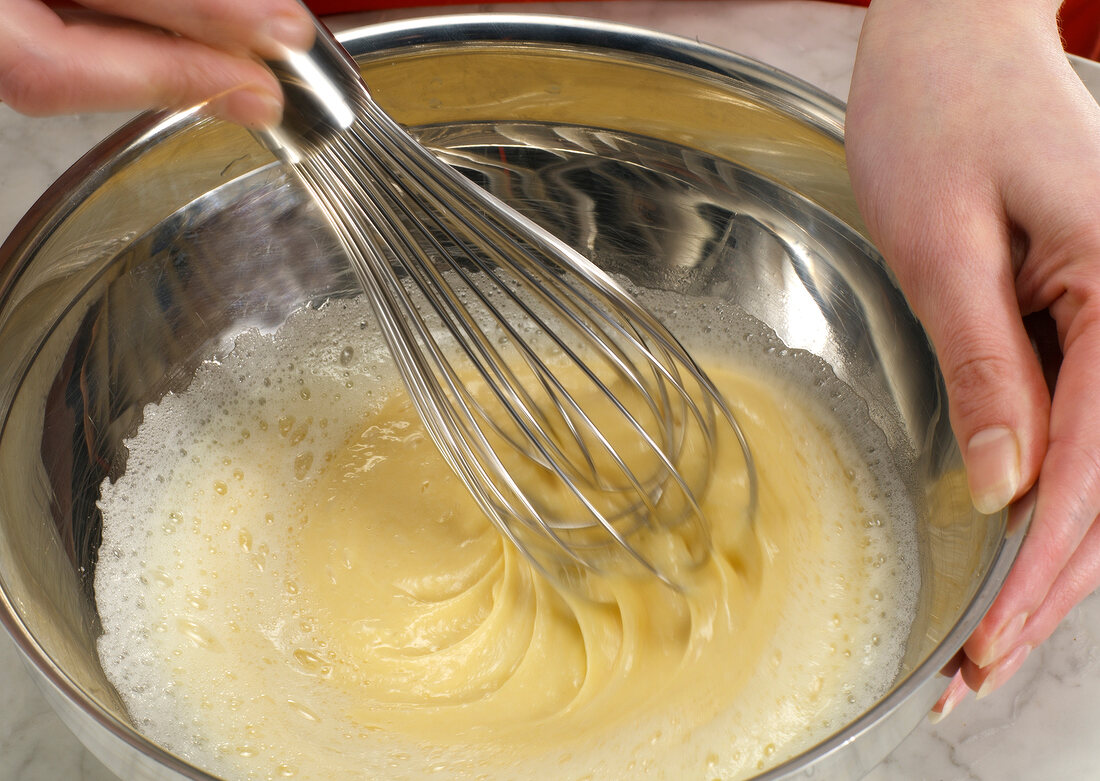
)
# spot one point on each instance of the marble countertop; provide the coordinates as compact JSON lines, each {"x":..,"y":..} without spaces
{"x":1041,"y":725}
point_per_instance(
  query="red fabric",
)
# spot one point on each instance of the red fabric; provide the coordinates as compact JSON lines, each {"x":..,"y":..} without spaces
{"x":1080,"y":19}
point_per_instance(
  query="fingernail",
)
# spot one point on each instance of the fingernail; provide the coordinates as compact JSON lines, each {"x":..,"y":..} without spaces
{"x":993,"y":468}
{"x":253,"y":108}
{"x":956,"y":693}
{"x":1003,"y":671}
{"x":294,"y":31}
{"x":1005,"y":639}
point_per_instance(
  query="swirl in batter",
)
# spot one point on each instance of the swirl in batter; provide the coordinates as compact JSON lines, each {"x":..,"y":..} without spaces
{"x":292,"y":583}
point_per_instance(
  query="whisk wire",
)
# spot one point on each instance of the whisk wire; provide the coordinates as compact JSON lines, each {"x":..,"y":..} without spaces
{"x":549,"y":380}
{"x":576,"y":420}
{"x":429,"y":395}
{"x":463,"y":320}
{"x":464,"y":453}
{"x":599,"y":337}
{"x":478,"y":348}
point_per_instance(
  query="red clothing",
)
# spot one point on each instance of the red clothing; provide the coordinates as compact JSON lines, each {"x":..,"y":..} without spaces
{"x":1080,"y":19}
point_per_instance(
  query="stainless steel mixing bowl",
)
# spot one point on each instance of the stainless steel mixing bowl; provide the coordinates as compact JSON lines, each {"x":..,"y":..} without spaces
{"x":677,"y":165}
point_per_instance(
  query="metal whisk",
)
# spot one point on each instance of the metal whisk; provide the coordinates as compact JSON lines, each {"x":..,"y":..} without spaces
{"x":582,"y":428}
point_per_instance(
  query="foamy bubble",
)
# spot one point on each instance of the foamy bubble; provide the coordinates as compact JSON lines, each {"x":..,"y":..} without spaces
{"x":214,"y":463}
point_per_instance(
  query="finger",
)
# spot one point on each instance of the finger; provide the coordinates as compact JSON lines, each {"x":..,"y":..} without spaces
{"x":49,"y":67}
{"x":1066,"y":505}
{"x":1078,"y":579}
{"x":958,"y":276}
{"x":987,"y":680}
{"x":954,"y":694}
{"x":249,"y":26}
{"x":1060,"y":273}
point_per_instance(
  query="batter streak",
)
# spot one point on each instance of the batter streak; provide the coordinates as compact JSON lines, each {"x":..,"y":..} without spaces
{"x":292,"y":583}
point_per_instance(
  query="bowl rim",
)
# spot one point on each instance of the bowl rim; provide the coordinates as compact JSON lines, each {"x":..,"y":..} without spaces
{"x":822,"y":111}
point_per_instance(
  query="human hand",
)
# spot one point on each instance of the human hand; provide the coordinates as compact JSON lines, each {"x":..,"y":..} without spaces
{"x":974,"y":152}
{"x":115,"y":55}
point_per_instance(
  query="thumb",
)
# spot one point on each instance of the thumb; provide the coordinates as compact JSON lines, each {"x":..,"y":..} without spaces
{"x":999,"y":400}
{"x":962,"y":289}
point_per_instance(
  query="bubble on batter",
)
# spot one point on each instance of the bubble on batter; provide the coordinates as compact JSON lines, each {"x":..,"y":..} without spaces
{"x":300,"y":395}
{"x":883,"y":466}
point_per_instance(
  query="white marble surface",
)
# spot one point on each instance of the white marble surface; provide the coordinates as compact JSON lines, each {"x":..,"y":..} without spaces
{"x":1042,"y":725}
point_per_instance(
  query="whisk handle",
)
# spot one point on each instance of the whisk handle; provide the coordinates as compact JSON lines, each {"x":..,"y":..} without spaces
{"x":316,"y":84}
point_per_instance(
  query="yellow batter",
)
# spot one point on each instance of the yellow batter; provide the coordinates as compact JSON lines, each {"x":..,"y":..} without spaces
{"x":301,"y":588}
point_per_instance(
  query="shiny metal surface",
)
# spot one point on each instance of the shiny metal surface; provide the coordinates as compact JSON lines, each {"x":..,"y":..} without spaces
{"x":674,"y":165}
{"x":461,"y":284}
{"x":317,"y":86}
{"x":1089,"y":73}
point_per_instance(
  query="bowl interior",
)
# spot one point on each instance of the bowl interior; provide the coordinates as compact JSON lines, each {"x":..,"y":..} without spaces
{"x":677,"y":167}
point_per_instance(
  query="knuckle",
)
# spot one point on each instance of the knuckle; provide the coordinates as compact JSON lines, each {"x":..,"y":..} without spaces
{"x":29,"y":84}
{"x":1063,"y":259}
{"x":1077,"y":310}
{"x":1078,"y":251}
{"x":1054,"y":544}
{"x":975,"y":380}
{"x":1073,"y":510}
{"x":1082,"y":461}
{"x":1072,"y":586}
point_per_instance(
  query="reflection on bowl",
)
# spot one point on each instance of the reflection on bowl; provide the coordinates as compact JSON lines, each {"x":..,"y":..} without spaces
{"x":676,"y":166}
